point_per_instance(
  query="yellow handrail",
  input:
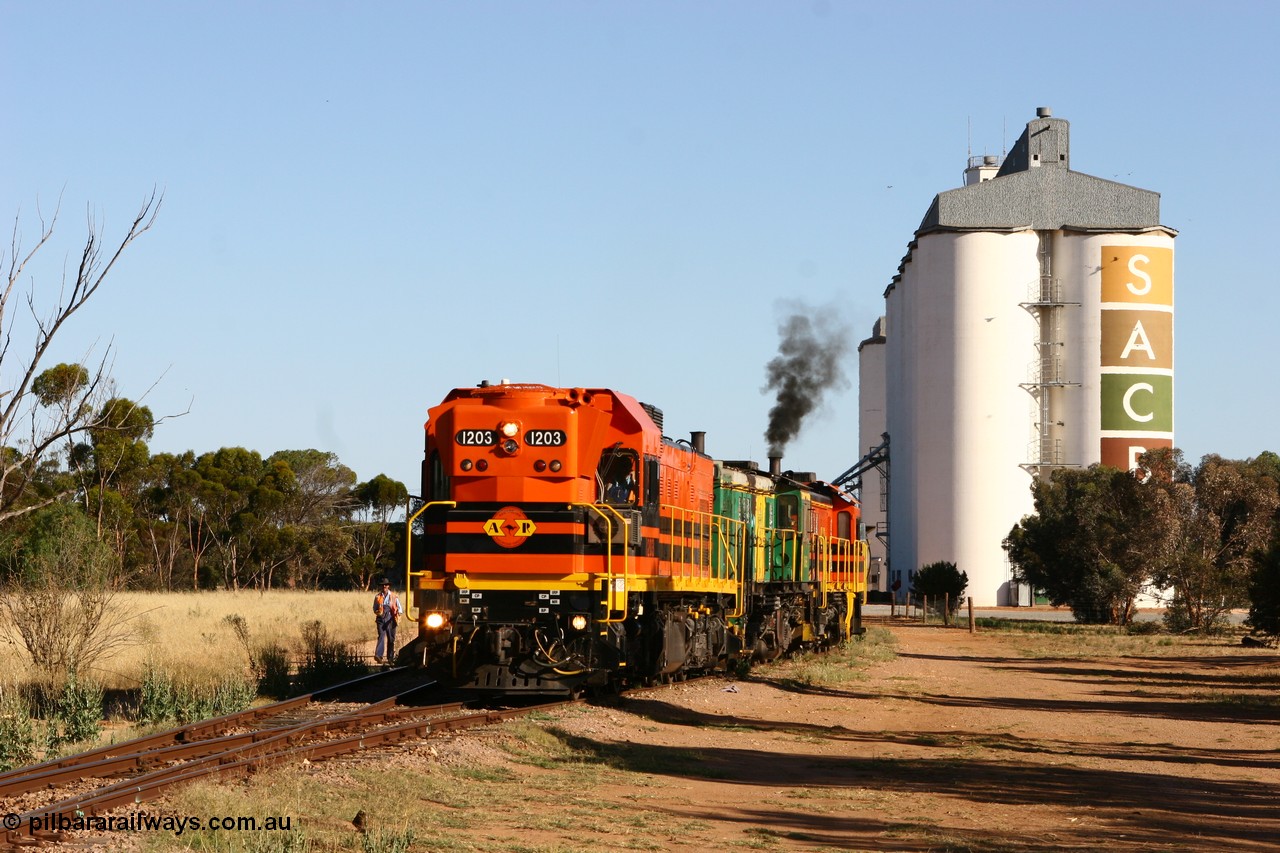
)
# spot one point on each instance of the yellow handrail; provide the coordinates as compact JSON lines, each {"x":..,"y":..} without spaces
{"x":824,"y":567}
{"x":848,"y":563}
{"x":732,"y":559}
{"x":862,"y":558}
{"x":408,"y":543}
{"x":599,"y":509}
{"x":698,"y":527}
{"x":707,"y":534}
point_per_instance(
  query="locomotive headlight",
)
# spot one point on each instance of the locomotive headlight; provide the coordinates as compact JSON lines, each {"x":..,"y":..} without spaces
{"x":509,"y":429}
{"x":435,"y":620}
{"x":510,"y":445}
{"x":578,"y":622}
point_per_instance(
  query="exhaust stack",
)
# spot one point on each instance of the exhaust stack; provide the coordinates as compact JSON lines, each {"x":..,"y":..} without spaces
{"x":698,"y":439}
{"x":775,"y":466}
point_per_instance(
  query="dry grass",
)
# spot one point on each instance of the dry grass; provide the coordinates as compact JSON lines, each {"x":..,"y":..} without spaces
{"x":516,"y":787}
{"x":187,"y":634}
{"x":1068,"y":640}
{"x":838,"y":666}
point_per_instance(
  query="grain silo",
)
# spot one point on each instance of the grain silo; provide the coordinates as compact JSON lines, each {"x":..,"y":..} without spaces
{"x":1029,"y":327}
{"x":871,"y":429}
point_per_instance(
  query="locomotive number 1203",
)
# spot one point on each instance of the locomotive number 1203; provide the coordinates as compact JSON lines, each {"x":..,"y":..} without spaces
{"x":544,"y":438}
{"x":477,"y":437}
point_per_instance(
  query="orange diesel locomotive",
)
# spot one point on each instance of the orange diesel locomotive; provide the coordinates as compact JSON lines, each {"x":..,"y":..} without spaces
{"x":568,"y":544}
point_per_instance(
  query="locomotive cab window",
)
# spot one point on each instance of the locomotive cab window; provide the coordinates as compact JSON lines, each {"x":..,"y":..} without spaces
{"x":437,"y":481}
{"x":844,"y":527}
{"x":651,"y":496}
{"x":617,"y":476}
{"x":788,"y":512}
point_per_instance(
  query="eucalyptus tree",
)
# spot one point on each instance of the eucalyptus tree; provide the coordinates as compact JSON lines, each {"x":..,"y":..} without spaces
{"x":231,"y":495}
{"x":376,"y":536}
{"x":171,"y":524}
{"x":111,"y":466}
{"x":1222,"y":514}
{"x":1264,"y":592}
{"x":319,"y":489}
{"x":1093,"y":541}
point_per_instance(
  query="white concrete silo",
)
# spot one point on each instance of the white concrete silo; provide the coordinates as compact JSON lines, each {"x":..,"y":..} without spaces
{"x":1008,"y":354}
{"x":1118,"y":344}
{"x":963,"y":418}
{"x":872,"y":424}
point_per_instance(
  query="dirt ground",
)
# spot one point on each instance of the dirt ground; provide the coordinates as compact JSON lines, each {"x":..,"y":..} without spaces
{"x":996,"y":741}
{"x":962,"y":742}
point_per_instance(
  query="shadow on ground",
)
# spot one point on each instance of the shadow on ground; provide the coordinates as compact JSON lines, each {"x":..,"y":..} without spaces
{"x":1117,"y":809}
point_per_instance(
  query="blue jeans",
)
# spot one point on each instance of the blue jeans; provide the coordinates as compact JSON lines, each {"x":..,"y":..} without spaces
{"x":386,"y":639}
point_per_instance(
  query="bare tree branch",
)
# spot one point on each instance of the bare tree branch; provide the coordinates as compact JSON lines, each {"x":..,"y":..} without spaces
{"x":32,"y":426}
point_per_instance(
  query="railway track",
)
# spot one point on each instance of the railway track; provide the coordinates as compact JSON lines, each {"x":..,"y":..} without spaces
{"x":378,"y":710}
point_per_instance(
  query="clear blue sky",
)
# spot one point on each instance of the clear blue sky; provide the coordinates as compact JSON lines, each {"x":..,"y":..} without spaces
{"x":367,"y":204}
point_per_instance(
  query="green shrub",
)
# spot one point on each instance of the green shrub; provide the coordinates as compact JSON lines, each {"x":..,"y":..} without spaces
{"x":1179,"y":619}
{"x":937,"y":580}
{"x":162,"y":700}
{"x":77,"y":712}
{"x":17,"y":732}
{"x":268,"y":661}
{"x":156,"y":701}
{"x":229,"y":696}
{"x":325,"y":660}
{"x":274,"y":672}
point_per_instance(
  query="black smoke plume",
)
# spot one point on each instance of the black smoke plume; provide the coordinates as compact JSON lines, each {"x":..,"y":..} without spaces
{"x":808,"y":365}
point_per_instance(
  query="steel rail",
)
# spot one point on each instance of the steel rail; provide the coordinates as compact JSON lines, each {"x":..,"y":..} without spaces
{"x":237,"y":760}
{"x":173,"y":744}
{"x":147,"y":759}
{"x":189,"y":733}
{"x":179,"y":735}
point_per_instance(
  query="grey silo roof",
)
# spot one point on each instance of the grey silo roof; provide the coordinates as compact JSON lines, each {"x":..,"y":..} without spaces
{"x":877,"y":334}
{"x":1036,"y":189}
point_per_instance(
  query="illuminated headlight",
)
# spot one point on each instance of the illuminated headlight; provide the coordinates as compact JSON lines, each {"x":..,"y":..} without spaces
{"x":435,"y":620}
{"x":510,"y":428}
{"x":578,"y":622}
